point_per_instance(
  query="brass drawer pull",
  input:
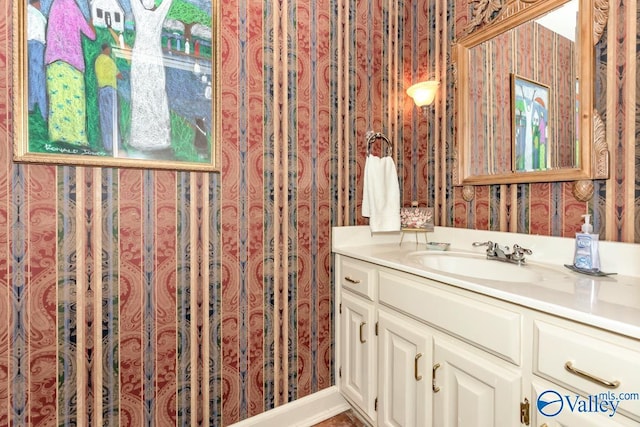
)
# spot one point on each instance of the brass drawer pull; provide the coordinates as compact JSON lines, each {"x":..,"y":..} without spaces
{"x":352,"y":281}
{"x":608,"y":384}
{"x":417,"y":376}
{"x":362,"y":340}
{"x":434,"y":387}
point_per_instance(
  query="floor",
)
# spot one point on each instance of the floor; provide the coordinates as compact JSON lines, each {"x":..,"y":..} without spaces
{"x":344,"y":419}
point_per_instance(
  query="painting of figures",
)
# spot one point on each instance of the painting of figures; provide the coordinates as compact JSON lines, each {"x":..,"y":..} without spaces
{"x":530,"y":125}
{"x":128,"y":83}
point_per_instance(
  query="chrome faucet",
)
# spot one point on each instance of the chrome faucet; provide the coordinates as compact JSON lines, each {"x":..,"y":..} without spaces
{"x":503,"y":253}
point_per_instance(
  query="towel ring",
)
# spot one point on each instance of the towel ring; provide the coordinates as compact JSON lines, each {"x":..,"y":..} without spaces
{"x":373,"y":136}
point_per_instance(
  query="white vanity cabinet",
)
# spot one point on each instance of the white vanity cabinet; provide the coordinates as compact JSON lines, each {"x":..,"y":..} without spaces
{"x":473,"y":349}
{"x":358,"y":352}
{"x":415,"y":352}
{"x":471,"y":389}
{"x":450,"y":347}
{"x":404,"y":371}
{"x":425,"y":374}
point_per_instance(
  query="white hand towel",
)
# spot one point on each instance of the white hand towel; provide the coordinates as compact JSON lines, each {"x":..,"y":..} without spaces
{"x":381,"y":194}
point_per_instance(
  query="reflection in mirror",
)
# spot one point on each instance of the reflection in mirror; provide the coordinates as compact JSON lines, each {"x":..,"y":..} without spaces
{"x":521,"y":114}
{"x":523,"y":107}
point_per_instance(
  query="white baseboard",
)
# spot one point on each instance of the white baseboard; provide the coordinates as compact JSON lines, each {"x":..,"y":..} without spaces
{"x":303,"y":412}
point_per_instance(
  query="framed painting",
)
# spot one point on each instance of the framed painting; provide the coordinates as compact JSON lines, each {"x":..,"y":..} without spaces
{"x":117,"y":83}
{"x":529,"y":125}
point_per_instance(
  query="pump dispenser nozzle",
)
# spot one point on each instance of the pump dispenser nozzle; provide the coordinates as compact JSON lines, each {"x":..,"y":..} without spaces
{"x":587,"y":227}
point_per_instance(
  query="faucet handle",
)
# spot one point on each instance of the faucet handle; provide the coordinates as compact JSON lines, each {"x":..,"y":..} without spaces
{"x":488,"y":243}
{"x":519,"y":249}
{"x":519,"y":252}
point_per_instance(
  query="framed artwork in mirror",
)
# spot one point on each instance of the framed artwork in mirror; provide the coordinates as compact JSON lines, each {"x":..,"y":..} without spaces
{"x":529,"y":125}
{"x":116,"y":83}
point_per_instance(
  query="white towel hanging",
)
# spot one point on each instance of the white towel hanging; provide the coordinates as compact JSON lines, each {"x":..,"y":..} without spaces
{"x":381,"y":194}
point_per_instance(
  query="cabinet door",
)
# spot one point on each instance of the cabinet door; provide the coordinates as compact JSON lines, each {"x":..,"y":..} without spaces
{"x":472,"y":390}
{"x":404,"y":372}
{"x":357,"y":350}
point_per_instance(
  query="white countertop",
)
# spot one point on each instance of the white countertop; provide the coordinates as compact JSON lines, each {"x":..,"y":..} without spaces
{"x":611,"y":303}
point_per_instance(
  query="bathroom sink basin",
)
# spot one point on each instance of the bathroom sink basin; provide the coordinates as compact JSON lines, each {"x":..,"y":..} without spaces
{"x":479,"y":267}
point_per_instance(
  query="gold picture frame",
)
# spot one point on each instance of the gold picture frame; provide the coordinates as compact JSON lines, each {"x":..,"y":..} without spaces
{"x":530,"y":124}
{"x":117,"y":83}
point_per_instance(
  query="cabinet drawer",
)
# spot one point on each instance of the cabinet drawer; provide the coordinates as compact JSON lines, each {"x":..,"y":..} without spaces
{"x":596,"y":361}
{"x":358,"y":276}
{"x":488,"y":326}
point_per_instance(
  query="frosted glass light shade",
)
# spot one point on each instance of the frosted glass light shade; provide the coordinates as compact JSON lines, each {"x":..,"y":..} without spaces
{"x":423,"y":93}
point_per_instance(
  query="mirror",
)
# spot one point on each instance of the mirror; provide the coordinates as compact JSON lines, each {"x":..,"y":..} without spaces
{"x":522,"y":114}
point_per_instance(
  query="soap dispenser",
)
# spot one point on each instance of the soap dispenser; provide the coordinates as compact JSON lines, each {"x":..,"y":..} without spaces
{"x":586,"y":255}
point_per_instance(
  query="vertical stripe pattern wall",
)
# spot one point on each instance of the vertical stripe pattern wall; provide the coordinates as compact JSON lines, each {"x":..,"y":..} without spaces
{"x":383,"y":47}
{"x":275,"y":194}
{"x":618,"y":65}
{"x":143,"y":297}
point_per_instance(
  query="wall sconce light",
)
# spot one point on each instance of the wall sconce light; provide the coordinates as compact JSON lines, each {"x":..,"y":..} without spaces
{"x":423,"y":93}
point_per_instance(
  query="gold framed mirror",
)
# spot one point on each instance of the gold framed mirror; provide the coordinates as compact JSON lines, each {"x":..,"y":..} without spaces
{"x":523,"y":114}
